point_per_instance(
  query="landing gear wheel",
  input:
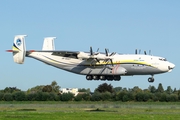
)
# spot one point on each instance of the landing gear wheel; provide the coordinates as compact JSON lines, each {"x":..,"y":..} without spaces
{"x":95,"y":77}
{"x":110,"y":78}
{"x":117,"y":78}
{"x":102,"y":77}
{"x":151,"y":79}
{"x":88,"y":77}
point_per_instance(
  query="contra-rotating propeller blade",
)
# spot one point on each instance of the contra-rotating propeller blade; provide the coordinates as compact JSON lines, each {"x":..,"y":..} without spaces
{"x":107,"y":55}
{"x":91,"y":51}
{"x":106,"y":51}
{"x":113,"y":53}
{"x":111,"y":62}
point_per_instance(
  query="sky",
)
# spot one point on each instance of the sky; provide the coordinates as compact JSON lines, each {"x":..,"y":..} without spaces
{"x":119,"y":25}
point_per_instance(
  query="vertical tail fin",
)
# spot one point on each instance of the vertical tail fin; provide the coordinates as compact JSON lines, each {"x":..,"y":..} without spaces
{"x":19,"y":49}
{"x":49,"y":43}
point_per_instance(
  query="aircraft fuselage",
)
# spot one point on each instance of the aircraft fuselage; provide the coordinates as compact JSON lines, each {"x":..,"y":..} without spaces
{"x":123,"y":64}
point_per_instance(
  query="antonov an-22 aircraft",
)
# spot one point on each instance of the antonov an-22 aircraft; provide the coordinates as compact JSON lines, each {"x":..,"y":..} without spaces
{"x":95,"y":65}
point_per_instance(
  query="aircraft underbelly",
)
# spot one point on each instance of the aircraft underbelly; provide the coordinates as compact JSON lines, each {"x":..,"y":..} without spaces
{"x":134,"y":69}
{"x":99,"y":71}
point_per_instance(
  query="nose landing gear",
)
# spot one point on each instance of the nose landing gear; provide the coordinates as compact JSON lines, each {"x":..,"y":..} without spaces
{"x":151,"y":79}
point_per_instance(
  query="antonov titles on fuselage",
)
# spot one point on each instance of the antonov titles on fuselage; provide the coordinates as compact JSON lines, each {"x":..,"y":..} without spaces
{"x":95,"y":65}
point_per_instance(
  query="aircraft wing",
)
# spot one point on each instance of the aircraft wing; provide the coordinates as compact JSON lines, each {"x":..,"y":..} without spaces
{"x":76,"y":54}
{"x":72,"y":54}
{"x":55,"y":51}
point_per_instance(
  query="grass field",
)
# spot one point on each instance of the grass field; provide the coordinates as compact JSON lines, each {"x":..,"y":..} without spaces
{"x":89,"y":111}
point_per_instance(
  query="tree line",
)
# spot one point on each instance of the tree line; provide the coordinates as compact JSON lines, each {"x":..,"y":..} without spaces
{"x":104,"y":92}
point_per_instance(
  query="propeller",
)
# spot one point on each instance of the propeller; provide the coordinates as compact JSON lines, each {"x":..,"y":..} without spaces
{"x":106,"y":51}
{"x":92,"y":55}
{"x":112,"y":54}
{"x":91,"y":51}
{"x":97,"y":50}
{"x":108,"y":56}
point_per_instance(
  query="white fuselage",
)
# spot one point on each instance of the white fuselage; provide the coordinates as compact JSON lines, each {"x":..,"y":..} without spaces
{"x":133,"y":64}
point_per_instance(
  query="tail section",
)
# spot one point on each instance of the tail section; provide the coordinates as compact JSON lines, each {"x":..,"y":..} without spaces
{"x":19,"y":49}
{"x":49,"y":43}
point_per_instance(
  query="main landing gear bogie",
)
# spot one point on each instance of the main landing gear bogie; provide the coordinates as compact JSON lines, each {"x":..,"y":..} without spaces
{"x":103,"y":77}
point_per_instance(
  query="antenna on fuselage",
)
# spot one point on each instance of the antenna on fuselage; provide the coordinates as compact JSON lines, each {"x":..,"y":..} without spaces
{"x":149,"y":52}
{"x":145,"y":52}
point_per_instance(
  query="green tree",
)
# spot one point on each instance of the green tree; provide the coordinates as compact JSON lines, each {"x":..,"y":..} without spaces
{"x":67,"y":96}
{"x":136,"y":89}
{"x":47,"y":88}
{"x":35,"y":89}
{"x":147,"y":96}
{"x":8,"y":97}
{"x":45,"y":96}
{"x":139,"y":96}
{"x":31,"y":96}
{"x":54,"y":97}
{"x":174,"y":97}
{"x":152,"y":89}
{"x":84,"y":90}
{"x":130,"y":96}
{"x":11,"y":89}
{"x":19,"y":96}
{"x":55,"y":87}
{"x":105,"y":96}
{"x":163,"y":97}
{"x":125,"y":98}
{"x":1,"y":96}
{"x":160,"y":88}
{"x":38,"y":96}
{"x":86,"y":96}
{"x":96,"y":96}
{"x":120,"y":95}
{"x":169,"y":90}
{"x":175,"y":91}
{"x":117,"y":89}
{"x":105,"y":88}
{"x":78,"y":97}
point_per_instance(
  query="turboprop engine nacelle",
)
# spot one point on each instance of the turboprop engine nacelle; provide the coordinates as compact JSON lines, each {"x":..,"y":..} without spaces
{"x":83,"y":55}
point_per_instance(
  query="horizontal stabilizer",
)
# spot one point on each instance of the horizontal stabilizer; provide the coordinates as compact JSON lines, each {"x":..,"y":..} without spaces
{"x":12,"y":51}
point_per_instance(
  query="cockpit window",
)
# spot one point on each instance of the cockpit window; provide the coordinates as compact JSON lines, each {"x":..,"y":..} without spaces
{"x":163,"y":59}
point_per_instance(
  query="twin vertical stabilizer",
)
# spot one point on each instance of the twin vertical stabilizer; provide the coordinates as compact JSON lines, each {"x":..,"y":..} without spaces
{"x":49,"y":43}
{"x":19,"y":49}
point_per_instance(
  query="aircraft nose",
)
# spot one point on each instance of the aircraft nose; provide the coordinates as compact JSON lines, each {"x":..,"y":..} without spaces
{"x":171,"y":66}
